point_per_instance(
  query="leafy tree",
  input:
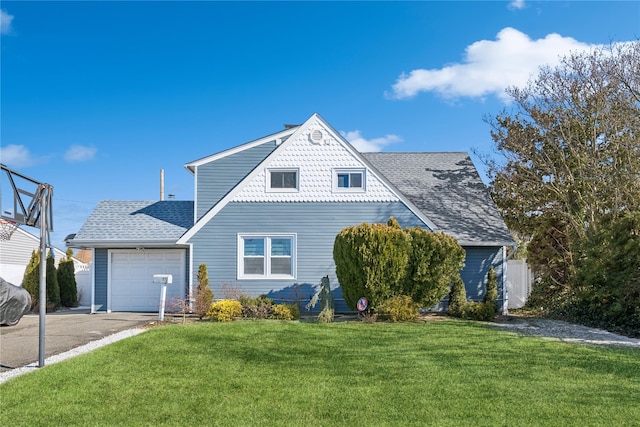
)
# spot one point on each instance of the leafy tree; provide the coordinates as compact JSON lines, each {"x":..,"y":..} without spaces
{"x":53,"y":288}
{"x":67,"y":281}
{"x":571,"y":162}
{"x":204,"y":296}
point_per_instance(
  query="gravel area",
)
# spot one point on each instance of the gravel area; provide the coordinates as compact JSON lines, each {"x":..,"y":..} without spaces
{"x":566,"y":332}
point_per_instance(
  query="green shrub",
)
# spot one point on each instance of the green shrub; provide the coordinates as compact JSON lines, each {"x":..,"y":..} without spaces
{"x":225,"y":310}
{"x":434,"y":260}
{"x":399,"y":308}
{"x":53,"y":288}
{"x":67,"y":281}
{"x":457,"y":298}
{"x":31,"y":280}
{"x":285,"y":312}
{"x":382,"y":260}
{"x":204,"y":295}
{"x":483,"y":311}
{"x":491,"y":295}
{"x":371,"y":261}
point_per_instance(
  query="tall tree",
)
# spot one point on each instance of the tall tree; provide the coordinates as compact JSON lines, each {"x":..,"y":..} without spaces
{"x":67,"y":281}
{"x":570,"y":156}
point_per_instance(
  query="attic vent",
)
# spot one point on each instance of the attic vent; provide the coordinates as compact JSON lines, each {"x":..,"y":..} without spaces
{"x":316,"y":136}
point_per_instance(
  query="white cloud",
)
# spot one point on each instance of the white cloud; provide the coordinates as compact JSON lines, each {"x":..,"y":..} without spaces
{"x":16,"y":156}
{"x":368,"y":145}
{"x":490,"y":66}
{"x":517,"y":5}
{"x":80,"y":153}
{"x":5,"y":22}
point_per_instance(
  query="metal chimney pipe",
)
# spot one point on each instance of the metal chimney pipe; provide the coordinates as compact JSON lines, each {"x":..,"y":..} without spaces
{"x":161,"y":184}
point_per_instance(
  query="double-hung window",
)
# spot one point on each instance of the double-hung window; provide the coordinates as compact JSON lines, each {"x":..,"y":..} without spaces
{"x":266,"y":256}
{"x":348,"y":180}
{"x":282,"y":180}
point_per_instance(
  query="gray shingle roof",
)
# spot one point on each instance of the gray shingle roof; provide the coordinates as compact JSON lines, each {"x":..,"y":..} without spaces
{"x":448,"y":189}
{"x":135,"y":222}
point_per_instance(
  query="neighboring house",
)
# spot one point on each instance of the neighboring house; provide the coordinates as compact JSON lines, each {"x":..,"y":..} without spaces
{"x":15,"y":255}
{"x":266,"y":214}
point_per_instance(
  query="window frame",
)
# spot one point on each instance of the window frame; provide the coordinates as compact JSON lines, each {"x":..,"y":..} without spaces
{"x":270,"y":189}
{"x":350,"y":171}
{"x":268,"y":237}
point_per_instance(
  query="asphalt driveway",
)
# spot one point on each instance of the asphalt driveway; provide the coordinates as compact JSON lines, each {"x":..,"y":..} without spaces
{"x":63,"y":331}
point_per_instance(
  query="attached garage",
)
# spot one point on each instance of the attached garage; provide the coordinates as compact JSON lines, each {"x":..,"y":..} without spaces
{"x":130,"y":278}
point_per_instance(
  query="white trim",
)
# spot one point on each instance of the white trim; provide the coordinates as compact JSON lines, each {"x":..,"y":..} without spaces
{"x":270,"y":189}
{"x":93,"y":281}
{"x":110,"y":253}
{"x":277,"y":137}
{"x":340,"y":171}
{"x":299,"y":131}
{"x":267,"y":256}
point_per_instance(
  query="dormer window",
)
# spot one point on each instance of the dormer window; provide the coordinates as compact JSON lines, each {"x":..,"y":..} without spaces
{"x":282,"y":180}
{"x":348,"y":180}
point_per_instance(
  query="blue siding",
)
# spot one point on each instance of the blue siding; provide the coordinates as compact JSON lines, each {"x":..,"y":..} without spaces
{"x":477,"y":264}
{"x":217,"y":178}
{"x":100,"y":266}
{"x":316,"y":225}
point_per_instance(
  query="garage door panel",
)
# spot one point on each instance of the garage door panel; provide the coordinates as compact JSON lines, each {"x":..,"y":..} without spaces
{"x":132,"y":287}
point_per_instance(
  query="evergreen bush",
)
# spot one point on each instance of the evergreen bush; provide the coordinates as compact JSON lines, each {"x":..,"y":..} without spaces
{"x":204,"y":294}
{"x":371,"y":261}
{"x":31,"y":279}
{"x":457,"y":298}
{"x":67,"y":281}
{"x":434,"y":260}
{"x":53,"y":288}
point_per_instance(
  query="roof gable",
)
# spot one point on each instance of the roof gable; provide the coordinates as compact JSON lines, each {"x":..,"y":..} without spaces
{"x":296,"y":149}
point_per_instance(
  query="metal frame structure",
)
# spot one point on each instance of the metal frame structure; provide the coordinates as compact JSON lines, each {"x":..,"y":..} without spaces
{"x":37,"y":213}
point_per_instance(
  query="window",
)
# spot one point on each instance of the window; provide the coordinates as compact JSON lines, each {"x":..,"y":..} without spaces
{"x":348,"y":180}
{"x":266,"y":257}
{"x":285,"y":180}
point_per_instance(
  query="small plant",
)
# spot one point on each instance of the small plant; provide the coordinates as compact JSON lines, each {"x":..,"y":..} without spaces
{"x":283,"y":312}
{"x":180,"y":305}
{"x":204,"y":296}
{"x":457,"y":298}
{"x":225,"y":310}
{"x":368,"y":316}
{"x":399,"y":308}
{"x":326,"y":301}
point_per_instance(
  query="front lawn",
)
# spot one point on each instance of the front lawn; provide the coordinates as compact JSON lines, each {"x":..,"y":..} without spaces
{"x":445,"y":373}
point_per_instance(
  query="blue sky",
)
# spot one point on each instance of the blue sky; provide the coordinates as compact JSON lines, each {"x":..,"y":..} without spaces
{"x":98,"y":97}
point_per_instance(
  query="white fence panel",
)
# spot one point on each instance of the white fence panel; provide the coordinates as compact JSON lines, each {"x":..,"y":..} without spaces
{"x":519,"y":282}
{"x":83,"y":282}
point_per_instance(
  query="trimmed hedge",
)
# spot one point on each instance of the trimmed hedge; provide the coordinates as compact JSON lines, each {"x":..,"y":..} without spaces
{"x":380,"y":261}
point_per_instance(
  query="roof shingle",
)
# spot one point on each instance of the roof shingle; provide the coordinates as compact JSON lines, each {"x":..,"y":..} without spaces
{"x":448,"y":189}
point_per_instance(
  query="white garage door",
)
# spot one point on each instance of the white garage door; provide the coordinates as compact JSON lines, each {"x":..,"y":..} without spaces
{"x":131,"y":273}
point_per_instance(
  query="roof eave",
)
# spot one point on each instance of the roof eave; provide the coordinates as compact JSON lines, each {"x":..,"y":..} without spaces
{"x":122,"y":243}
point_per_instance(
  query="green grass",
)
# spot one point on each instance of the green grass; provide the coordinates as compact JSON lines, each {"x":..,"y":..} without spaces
{"x":447,"y":373}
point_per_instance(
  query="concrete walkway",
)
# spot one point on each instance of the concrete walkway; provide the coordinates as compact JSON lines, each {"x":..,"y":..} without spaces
{"x":19,"y":344}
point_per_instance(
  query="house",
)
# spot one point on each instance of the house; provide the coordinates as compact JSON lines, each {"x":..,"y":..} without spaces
{"x":266,"y":214}
{"x":15,"y":255}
